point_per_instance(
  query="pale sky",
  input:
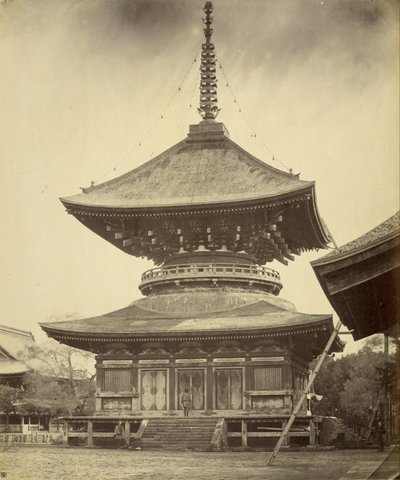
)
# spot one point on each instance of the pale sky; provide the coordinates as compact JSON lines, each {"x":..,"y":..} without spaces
{"x":83,"y":82}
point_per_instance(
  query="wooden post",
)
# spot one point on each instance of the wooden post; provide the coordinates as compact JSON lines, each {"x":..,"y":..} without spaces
{"x":304,"y":394}
{"x":210,"y":388}
{"x":127,"y":432}
{"x":135,"y":387}
{"x":285,"y":441}
{"x":89,"y":442}
{"x":173,"y":403}
{"x":248,"y":377}
{"x":65,"y":430}
{"x":386,"y":393}
{"x":312,"y":433}
{"x":244,"y":433}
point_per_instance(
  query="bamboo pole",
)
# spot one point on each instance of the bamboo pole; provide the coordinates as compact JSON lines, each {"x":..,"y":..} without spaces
{"x":304,"y":394}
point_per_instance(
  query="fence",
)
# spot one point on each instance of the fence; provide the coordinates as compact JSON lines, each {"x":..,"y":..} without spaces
{"x":30,"y":438}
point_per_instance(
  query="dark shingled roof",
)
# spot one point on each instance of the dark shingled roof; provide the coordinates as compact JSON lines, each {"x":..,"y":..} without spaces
{"x":248,"y":313}
{"x":126,"y":323}
{"x":389,"y":227}
{"x":361,"y":280}
{"x":203,"y":169}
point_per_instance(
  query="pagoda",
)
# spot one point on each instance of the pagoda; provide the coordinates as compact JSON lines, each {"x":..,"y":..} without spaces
{"x":210,"y":216}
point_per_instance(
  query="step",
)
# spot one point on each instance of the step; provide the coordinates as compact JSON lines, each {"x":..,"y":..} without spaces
{"x":179,"y":433}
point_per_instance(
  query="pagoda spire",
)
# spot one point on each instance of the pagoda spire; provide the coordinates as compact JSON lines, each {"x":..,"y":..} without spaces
{"x":208,"y":108}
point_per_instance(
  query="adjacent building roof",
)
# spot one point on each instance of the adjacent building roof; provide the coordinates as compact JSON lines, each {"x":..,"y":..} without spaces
{"x":361,"y":279}
{"x":14,"y":344}
{"x":12,"y":367}
{"x":379,"y":234}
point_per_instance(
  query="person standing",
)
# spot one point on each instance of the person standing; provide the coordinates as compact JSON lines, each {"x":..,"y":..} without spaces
{"x":119,"y":434}
{"x":380,"y":433}
{"x":186,"y":402}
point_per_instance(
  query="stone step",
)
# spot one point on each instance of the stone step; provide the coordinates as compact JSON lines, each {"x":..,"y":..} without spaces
{"x":179,"y":433}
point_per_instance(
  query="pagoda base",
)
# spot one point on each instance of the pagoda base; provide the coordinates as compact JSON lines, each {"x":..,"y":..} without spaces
{"x":196,"y":432}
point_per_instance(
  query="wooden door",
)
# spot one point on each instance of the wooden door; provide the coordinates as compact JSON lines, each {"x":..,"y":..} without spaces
{"x":193,"y":380}
{"x":228,"y":388}
{"x":153,"y":390}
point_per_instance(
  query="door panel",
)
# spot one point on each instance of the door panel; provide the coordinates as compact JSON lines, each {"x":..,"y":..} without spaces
{"x":228,"y":388}
{"x":153,"y":390}
{"x":194,"y":381}
{"x":236,"y":389}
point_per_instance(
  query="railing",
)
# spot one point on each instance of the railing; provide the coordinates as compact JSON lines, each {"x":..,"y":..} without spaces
{"x":224,"y":270}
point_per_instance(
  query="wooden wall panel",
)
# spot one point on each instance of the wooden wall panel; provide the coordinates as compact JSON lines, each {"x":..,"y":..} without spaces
{"x":267,"y":378}
{"x":117,"y":380}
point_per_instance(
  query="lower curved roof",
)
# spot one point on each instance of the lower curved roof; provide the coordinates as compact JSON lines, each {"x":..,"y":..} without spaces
{"x":254,"y":315}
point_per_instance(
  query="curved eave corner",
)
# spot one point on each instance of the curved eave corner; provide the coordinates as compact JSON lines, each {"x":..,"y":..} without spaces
{"x":320,"y":229}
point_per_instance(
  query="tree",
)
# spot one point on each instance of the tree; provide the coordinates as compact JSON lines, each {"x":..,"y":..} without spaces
{"x":351,"y":384}
{"x":61,"y":383}
{"x":329,"y":383}
{"x":9,"y":396}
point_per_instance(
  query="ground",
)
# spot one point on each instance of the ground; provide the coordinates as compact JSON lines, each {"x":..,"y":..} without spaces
{"x":48,"y":463}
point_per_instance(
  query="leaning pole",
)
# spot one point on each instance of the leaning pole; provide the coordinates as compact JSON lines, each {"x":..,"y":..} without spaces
{"x":310,"y":382}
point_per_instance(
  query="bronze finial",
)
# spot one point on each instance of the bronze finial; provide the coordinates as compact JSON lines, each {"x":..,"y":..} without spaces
{"x":208,"y":109}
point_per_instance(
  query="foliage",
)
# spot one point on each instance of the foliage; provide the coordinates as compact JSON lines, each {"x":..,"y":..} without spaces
{"x":8,"y":397}
{"x":351,"y":385}
{"x":61,"y":383}
{"x":47,"y":395}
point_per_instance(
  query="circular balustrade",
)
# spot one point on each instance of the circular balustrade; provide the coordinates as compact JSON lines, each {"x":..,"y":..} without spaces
{"x":211,"y":275}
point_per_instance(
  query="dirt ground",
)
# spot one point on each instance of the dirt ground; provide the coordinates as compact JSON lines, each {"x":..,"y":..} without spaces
{"x":48,"y":463}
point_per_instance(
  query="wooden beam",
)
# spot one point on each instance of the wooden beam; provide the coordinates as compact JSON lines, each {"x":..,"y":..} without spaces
{"x":303,"y":396}
{"x":89,"y":433}
{"x":122,"y":235}
{"x":360,"y":273}
{"x":244,"y":433}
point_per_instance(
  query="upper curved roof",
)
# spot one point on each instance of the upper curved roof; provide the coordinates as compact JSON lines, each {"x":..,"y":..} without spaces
{"x":206,"y":168}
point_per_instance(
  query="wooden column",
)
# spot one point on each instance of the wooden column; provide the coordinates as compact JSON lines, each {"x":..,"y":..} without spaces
{"x":386,"y":410}
{"x":248,"y":380}
{"x":287,"y":376}
{"x":285,"y":440}
{"x":172,"y":388}
{"x":89,"y":442}
{"x":65,"y":430}
{"x":99,"y":382}
{"x":135,"y":387}
{"x":312,"y":433}
{"x":127,"y":432}
{"x":244,"y":433}
{"x":210,"y":388}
